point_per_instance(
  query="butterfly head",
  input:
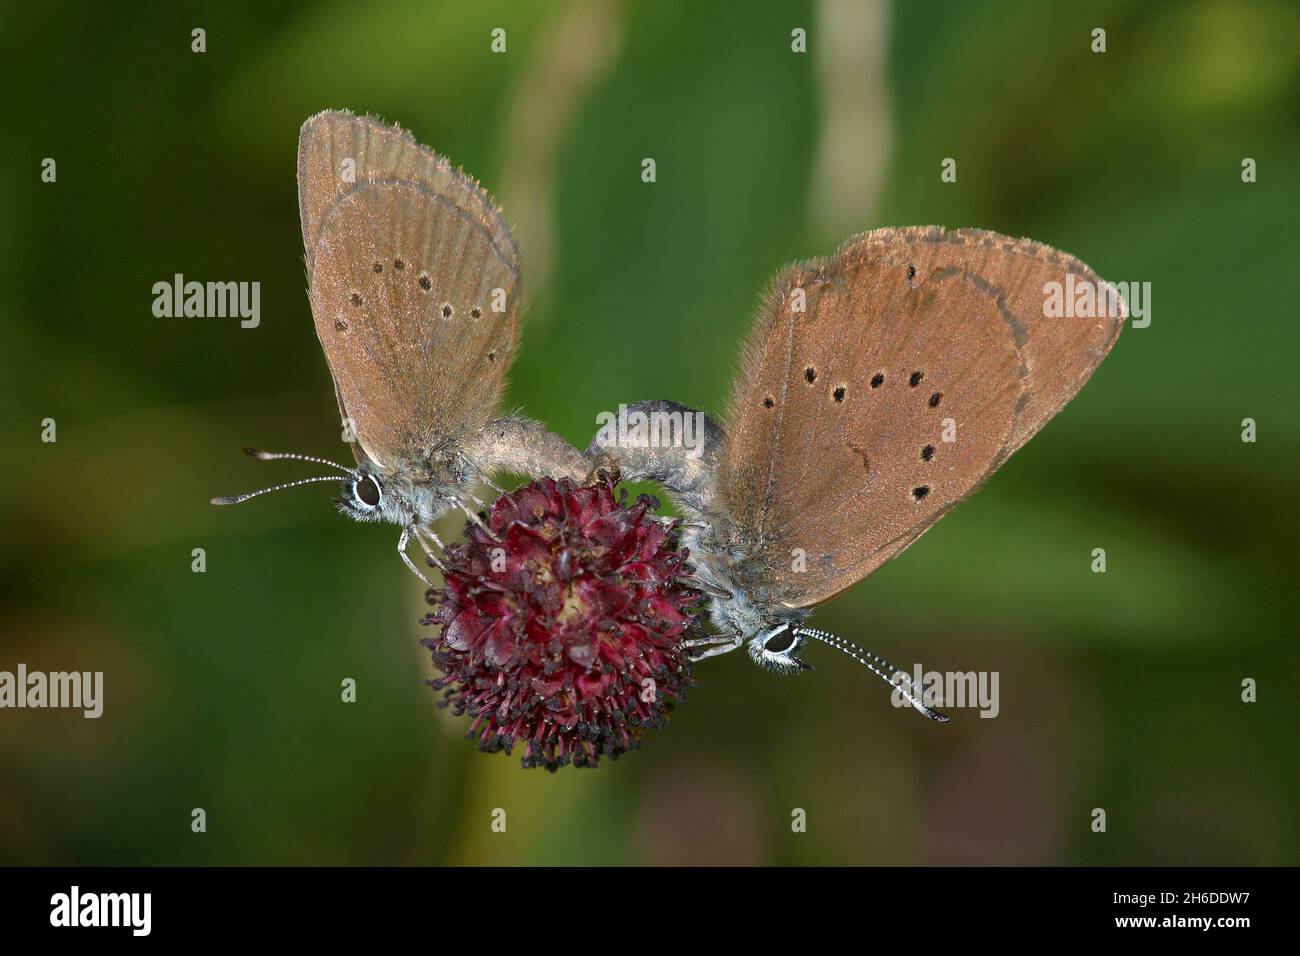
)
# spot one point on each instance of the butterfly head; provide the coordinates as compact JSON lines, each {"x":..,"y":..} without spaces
{"x":364,"y":493}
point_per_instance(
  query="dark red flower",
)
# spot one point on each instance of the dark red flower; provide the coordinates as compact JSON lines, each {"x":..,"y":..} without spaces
{"x":565,"y":634}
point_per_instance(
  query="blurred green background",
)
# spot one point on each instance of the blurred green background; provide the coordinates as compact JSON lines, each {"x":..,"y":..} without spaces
{"x":1119,"y":690}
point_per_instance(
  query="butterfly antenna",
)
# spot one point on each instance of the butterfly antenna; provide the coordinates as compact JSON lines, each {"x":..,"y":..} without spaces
{"x":277,"y":455}
{"x":236,"y":499}
{"x":889,"y":674}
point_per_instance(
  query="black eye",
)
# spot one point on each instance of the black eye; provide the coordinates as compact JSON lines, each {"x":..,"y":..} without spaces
{"x":367,"y":491}
{"x":779,"y":643}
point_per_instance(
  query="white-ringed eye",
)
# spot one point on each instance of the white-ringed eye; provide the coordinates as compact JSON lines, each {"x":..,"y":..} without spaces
{"x":366,"y":490}
{"x":780,"y":640}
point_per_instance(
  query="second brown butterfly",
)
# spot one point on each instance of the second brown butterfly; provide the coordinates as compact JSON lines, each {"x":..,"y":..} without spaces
{"x":879,"y":387}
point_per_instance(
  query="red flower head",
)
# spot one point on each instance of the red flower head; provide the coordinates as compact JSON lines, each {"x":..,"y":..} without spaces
{"x":565,"y":634}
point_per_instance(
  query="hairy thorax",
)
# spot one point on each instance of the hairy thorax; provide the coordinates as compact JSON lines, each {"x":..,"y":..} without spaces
{"x":725,"y":568}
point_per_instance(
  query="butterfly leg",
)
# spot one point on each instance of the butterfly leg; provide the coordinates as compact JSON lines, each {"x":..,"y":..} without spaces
{"x":698,"y":648}
{"x":712,"y":590}
{"x":419,"y":533}
{"x":475,"y":519}
{"x":406,"y":558}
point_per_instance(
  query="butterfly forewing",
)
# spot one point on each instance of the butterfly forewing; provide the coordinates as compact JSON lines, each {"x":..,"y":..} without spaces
{"x":337,"y":151}
{"x":881,"y":386}
{"x":414,"y":286}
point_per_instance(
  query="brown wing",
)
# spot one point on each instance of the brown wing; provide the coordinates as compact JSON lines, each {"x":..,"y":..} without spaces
{"x":839,"y":416}
{"x":414,"y":285}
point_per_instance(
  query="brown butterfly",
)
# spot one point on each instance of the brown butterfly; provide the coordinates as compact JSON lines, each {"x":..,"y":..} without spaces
{"x":878,"y":389}
{"x":414,"y":284}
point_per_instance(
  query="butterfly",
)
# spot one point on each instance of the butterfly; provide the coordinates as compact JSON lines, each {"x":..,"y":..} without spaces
{"x":878,"y":388}
{"x":414,"y":283}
